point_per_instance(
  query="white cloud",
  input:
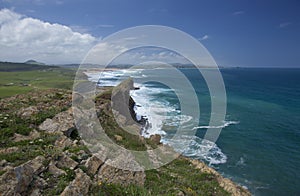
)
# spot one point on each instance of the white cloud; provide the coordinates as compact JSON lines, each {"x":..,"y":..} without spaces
{"x":284,"y":24}
{"x":23,"y":38}
{"x":205,"y":37}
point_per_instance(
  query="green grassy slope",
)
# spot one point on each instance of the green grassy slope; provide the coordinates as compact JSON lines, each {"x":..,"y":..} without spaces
{"x":18,"y":82}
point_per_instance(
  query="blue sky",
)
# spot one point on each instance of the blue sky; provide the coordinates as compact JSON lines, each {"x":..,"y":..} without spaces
{"x":236,"y":32}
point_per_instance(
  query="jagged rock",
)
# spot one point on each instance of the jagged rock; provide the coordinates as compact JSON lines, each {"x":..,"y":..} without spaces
{"x":27,"y":112}
{"x":93,"y":164}
{"x":36,"y":192}
{"x":66,"y":162}
{"x":17,"y":180}
{"x":38,"y":184}
{"x":63,"y":142}
{"x":225,"y":183}
{"x":122,"y":103}
{"x":49,"y":125}
{"x":79,"y":186}
{"x":155,"y":138}
{"x":55,"y":171}
{"x":3,"y":163}
{"x":118,"y":137}
{"x":232,"y":188}
{"x":111,"y":174}
{"x":82,"y":155}
{"x":9,"y":150}
{"x":32,"y":135}
{"x":61,"y":123}
{"x":203,"y":167}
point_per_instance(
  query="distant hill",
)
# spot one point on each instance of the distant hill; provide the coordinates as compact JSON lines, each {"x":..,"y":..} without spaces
{"x":33,"y":62}
{"x":32,"y":65}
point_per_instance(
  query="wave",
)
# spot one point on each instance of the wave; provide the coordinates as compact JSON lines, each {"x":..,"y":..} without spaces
{"x":225,"y":124}
{"x":197,"y":148}
{"x":161,"y":113}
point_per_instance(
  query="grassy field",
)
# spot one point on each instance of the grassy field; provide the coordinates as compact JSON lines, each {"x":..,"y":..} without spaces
{"x":19,"y":82}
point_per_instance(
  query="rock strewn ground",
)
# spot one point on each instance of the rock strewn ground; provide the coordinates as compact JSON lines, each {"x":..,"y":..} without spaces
{"x":57,"y":161}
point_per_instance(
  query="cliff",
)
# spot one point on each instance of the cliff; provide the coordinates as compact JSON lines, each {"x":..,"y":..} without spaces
{"x":41,"y":152}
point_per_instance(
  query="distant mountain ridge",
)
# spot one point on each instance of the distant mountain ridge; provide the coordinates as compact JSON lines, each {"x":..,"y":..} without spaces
{"x":34,"y":62}
{"x":27,"y":66}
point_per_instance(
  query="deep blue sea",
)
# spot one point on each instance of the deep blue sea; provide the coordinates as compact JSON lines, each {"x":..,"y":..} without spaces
{"x":259,"y":146}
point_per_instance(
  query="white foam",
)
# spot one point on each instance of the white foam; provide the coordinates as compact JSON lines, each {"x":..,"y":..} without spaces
{"x":160,"y":112}
{"x":197,"y":148}
{"x":225,"y":124}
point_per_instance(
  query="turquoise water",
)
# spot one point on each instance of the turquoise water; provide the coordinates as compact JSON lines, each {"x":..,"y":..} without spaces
{"x":259,"y":146}
{"x":263,"y":150}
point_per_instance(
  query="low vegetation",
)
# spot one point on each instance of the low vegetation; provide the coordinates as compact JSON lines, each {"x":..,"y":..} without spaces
{"x":21,"y":115}
{"x":19,"y":78}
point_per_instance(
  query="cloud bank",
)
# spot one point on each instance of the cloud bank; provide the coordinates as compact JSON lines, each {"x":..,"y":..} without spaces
{"x":23,"y":38}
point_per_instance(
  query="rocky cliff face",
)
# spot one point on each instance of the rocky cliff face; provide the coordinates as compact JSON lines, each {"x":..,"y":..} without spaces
{"x":41,"y":152}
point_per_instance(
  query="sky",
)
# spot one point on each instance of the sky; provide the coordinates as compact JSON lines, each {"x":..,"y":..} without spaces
{"x":241,"y":33}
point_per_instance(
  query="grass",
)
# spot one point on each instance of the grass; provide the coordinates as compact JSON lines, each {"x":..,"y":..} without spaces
{"x":59,"y":183}
{"x":30,"y":149}
{"x":18,"y":82}
{"x":106,"y":189}
{"x":178,"y":177}
{"x":111,"y":127}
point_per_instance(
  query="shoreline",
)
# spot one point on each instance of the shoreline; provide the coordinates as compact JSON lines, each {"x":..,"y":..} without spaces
{"x":226,"y":183}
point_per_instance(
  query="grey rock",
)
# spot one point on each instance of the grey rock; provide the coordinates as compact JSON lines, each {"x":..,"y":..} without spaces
{"x":60,"y":123}
{"x":32,"y":135}
{"x":93,"y":164}
{"x":79,"y":186}
{"x":55,"y":171}
{"x":66,"y":162}
{"x":63,"y":142}
{"x":16,"y":181}
{"x":27,"y":112}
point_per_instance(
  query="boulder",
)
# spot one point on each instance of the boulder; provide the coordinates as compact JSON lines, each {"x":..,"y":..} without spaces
{"x":32,"y":135}
{"x":79,"y":186}
{"x":27,"y":112}
{"x":66,"y":162}
{"x":60,"y":123}
{"x":93,"y":164}
{"x":55,"y":171}
{"x":16,"y":180}
{"x":118,"y":137}
{"x":110,"y":174}
{"x":155,"y":138}
{"x":9,"y":150}
{"x":63,"y":142}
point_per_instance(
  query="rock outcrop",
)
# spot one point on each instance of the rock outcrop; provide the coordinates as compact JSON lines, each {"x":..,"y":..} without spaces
{"x":79,"y":186}
{"x":65,"y":166}
{"x":226,"y":183}
{"x":17,"y":180}
{"x":62,"y":123}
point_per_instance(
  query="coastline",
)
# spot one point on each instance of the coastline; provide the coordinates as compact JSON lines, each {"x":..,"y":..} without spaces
{"x":227,"y":184}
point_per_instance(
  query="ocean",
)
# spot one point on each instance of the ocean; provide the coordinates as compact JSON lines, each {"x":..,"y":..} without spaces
{"x":259,"y":146}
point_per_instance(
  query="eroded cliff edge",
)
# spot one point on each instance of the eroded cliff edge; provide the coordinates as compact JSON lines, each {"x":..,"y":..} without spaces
{"x":42,"y":153}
